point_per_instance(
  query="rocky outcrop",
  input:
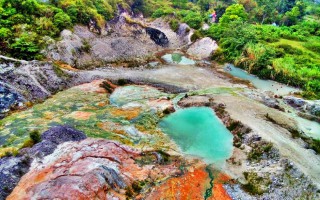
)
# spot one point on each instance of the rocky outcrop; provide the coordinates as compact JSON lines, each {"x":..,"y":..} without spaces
{"x":203,"y":48}
{"x":185,"y":32}
{"x":69,"y":49}
{"x":32,"y":79}
{"x":94,"y":169}
{"x":124,"y":40}
{"x":22,"y":81}
{"x":13,"y":168}
{"x":308,"y":106}
{"x":51,"y":138}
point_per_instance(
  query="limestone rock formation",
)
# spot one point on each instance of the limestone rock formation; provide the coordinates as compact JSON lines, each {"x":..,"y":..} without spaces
{"x":203,"y":48}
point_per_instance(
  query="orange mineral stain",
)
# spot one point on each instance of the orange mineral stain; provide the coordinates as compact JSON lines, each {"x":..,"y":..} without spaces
{"x":192,"y":185}
{"x":128,"y":114}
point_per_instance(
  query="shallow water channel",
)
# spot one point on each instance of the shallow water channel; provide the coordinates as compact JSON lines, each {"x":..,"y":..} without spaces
{"x":263,"y":85}
{"x":199,"y":132}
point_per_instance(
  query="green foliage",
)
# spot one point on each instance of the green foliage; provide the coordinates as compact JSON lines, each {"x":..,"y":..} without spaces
{"x":162,"y":12}
{"x":233,"y":37}
{"x":255,"y":185}
{"x":315,"y":47}
{"x":288,"y":54}
{"x":25,"y":46}
{"x":25,"y":22}
{"x":193,"y":19}
{"x":174,"y":25}
{"x":5,"y":33}
{"x":35,"y":136}
{"x":291,"y":17}
{"x":235,"y":12}
{"x":62,"y":20}
{"x":196,"y":35}
{"x":180,"y":3}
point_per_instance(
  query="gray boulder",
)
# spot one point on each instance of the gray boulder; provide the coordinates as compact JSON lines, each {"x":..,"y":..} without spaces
{"x":203,"y":48}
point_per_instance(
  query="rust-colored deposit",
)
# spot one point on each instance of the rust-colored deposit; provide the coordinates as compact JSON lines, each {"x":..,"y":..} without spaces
{"x":128,"y":114}
{"x":192,"y":185}
{"x":218,"y":192}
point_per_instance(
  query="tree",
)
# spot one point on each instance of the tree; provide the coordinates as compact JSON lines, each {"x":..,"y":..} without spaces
{"x":266,"y":11}
{"x":235,"y":12}
{"x":204,"y":5}
{"x":249,"y":5}
{"x":180,"y":3}
{"x":291,"y":17}
{"x":193,"y":19}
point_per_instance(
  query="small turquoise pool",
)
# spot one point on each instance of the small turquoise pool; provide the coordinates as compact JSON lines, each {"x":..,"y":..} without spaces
{"x":177,"y":58}
{"x":199,"y":132}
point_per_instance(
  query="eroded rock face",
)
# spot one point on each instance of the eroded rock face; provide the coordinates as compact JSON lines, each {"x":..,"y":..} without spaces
{"x":92,"y":169}
{"x":185,"y":32}
{"x":31,"y":79}
{"x":203,"y":48}
{"x":68,"y":49}
{"x":120,"y":41}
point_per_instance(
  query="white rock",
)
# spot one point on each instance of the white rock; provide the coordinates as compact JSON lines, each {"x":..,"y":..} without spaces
{"x":203,"y":48}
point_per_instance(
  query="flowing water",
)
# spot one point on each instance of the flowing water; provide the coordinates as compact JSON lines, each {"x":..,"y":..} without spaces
{"x":310,"y":128}
{"x":177,"y":58}
{"x":199,"y":132}
{"x":263,"y":85}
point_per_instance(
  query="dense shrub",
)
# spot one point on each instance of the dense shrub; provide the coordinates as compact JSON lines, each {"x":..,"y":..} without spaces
{"x":193,"y":19}
{"x":196,"y":35}
{"x":174,"y":25}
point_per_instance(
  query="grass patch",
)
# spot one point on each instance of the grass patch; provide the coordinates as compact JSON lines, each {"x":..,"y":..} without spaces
{"x":255,"y":185}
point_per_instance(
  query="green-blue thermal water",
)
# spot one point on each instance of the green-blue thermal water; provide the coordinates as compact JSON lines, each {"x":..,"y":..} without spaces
{"x":177,"y":58}
{"x":199,"y":132}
